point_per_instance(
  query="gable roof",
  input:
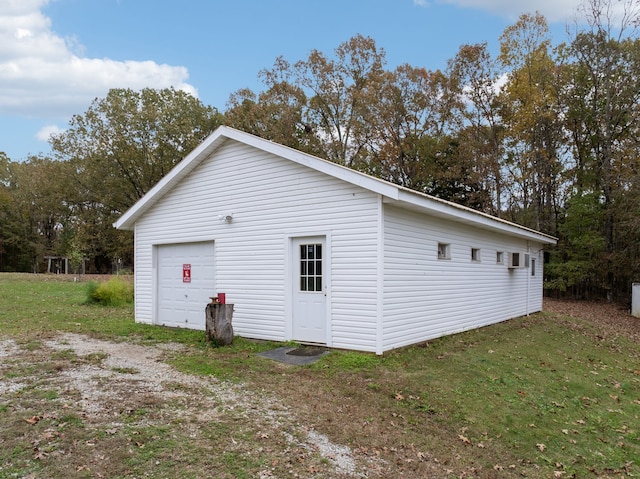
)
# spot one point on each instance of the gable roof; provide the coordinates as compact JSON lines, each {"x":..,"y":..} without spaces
{"x":392,"y":194}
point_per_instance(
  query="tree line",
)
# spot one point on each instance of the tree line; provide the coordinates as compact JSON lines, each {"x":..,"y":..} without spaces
{"x":540,"y":134}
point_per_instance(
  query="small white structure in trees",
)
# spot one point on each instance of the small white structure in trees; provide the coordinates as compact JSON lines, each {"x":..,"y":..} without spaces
{"x":310,"y":251}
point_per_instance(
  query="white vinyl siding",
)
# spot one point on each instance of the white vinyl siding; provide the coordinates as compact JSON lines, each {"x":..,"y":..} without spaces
{"x":426,"y":298}
{"x":398,"y":265}
{"x":272,"y":200}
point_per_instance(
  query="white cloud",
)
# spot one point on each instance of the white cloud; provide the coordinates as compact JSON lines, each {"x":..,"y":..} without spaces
{"x":44,"y":75}
{"x":553,"y":10}
{"x":45,"y":132}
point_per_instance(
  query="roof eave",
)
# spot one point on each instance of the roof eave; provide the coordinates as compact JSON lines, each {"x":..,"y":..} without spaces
{"x":390,"y":192}
{"x":453,"y":211}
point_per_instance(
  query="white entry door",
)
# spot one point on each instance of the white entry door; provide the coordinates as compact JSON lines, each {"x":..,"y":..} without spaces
{"x":185,"y":283}
{"x":309,"y":290}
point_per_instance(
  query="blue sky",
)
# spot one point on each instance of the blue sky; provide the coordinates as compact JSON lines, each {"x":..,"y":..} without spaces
{"x":56,"y":56}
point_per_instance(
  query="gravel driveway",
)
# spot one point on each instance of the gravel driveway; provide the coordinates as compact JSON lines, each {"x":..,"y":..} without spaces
{"x":106,"y":382}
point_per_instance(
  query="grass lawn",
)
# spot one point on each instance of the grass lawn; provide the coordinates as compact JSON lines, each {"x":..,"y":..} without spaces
{"x":549,"y":395}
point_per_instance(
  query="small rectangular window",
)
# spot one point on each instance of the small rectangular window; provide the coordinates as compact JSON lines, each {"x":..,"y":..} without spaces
{"x":475,"y":254}
{"x":444,"y":251}
{"x":499,"y":257}
{"x":533,"y":267}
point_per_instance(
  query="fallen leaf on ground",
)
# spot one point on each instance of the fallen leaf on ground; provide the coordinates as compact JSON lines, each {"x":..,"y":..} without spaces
{"x":40,"y":454}
{"x":33,"y":419}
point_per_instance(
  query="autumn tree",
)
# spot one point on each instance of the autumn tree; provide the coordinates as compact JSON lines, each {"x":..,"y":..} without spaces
{"x":413,"y":141}
{"x":476,"y":77}
{"x":338,"y":88}
{"x":129,"y":140}
{"x":530,"y":110}
{"x":277,"y":113}
{"x":405,"y":111}
{"x":397,"y":125}
{"x":319,"y":104}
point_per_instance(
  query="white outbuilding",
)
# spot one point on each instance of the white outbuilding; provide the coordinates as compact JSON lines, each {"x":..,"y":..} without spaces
{"x":313,"y":252}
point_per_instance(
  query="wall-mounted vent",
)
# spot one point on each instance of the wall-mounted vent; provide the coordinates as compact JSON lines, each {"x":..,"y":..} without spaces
{"x":518,"y":260}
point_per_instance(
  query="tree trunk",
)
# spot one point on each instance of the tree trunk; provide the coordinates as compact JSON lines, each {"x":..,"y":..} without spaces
{"x":218,"y":325}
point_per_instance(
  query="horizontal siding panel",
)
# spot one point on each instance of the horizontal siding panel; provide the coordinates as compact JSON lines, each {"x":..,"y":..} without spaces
{"x":270,"y":199}
{"x":425,"y":297}
{"x":355,"y":345}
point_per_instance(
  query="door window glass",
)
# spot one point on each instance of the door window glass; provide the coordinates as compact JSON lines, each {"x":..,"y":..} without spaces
{"x":311,"y":267}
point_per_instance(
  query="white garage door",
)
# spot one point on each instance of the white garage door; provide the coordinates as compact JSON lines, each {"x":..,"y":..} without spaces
{"x":186,"y":282}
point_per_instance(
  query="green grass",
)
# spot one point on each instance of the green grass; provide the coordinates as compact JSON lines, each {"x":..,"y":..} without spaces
{"x":353,"y":361}
{"x":532,"y":397}
{"x":536,"y":387}
{"x":31,"y":307}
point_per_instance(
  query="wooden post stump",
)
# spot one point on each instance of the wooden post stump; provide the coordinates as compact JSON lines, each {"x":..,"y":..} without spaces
{"x":218,"y":325}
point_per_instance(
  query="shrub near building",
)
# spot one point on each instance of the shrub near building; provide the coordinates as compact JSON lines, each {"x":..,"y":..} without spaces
{"x":114,"y":292}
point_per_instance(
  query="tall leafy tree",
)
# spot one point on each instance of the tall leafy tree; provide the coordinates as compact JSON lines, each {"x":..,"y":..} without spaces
{"x":337,"y":90}
{"x":603,"y":117}
{"x":406,"y":109}
{"x":275,"y":114}
{"x":531,"y":114}
{"x":477,"y":78}
{"x":36,"y":212}
{"x":118,"y":149}
{"x":397,"y":125}
{"x":129,"y":140}
{"x":321,"y":105}
{"x":414,"y":141}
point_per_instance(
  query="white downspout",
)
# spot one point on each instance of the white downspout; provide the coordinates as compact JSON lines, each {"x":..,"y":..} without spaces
{"x":528,"y":273}
{"x":380,"y":279}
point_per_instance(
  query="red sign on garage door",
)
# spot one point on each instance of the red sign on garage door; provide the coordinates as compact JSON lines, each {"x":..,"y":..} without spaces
{"x":186,"y":273}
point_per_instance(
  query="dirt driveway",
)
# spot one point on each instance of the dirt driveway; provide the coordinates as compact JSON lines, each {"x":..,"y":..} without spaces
{"x":115,"y":389}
